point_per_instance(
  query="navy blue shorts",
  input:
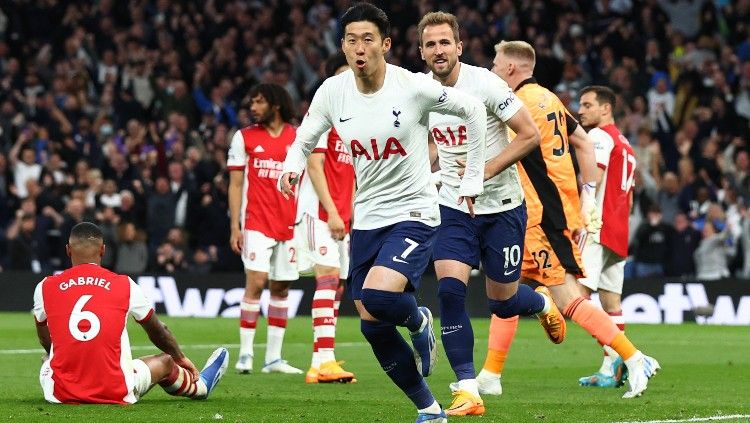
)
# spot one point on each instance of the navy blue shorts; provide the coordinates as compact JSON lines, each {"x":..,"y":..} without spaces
{"x":405,"y":247}
{"x":494,"y":239}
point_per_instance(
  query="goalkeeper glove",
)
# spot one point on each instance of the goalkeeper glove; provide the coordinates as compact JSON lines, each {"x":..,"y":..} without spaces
{"x":589,"y":209}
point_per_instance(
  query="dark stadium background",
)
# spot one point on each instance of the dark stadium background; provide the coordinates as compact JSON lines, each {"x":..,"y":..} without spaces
{"x":125,"y":109}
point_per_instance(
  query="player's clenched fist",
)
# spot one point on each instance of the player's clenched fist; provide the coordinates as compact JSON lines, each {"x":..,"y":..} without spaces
{"x":236,"y":240}
{"x":286,"y":182}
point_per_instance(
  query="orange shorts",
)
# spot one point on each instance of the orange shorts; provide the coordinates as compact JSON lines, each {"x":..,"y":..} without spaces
{"x":550,"y":253}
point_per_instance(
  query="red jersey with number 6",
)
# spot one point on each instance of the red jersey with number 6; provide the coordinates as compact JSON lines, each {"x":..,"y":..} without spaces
{"x":86,"y":309}
{"x":261,"y":156}
{"x":615,"y":155}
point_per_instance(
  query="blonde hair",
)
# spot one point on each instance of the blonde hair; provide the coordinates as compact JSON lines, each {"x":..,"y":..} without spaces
{"x":520,"y":50}
{"x":438,"y":18}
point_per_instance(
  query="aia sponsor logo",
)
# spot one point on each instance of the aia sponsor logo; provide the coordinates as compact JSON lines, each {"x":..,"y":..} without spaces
{"x":392,"y":148}
{"x":449,"y":137}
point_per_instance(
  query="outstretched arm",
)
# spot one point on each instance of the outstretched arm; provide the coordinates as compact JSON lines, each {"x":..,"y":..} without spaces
{"x":313,"y":126}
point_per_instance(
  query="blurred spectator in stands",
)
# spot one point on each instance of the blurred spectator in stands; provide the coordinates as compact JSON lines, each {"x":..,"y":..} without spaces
{"x":27,"y":249}
{"x":203,"y":260}
{"x":181,"y":187}
{"x":108,"y":221}
{"x":172,"y":255}
{"x":711,"y":256}
{"x":132,"y":210}
{"x":23,"y":161}
{"x":75,"y":213}
{"x":668,"y":197}
{"x":109,"y":196}
{"x":682,"y":244}
{"x":161,"y":212}
{"x":661,"y":103}
{"x":132,"y":253}
{"x":651,"y":245}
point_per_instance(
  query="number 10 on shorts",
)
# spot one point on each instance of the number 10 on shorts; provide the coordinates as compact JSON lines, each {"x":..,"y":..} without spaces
{"x":512,"y":256}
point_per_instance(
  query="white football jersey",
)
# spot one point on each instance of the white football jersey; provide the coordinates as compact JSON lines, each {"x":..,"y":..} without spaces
{"x":503,"y":191}
{"x":386,"y":134}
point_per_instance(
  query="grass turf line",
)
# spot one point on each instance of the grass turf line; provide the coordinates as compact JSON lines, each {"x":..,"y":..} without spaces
{"x":706,"y":372}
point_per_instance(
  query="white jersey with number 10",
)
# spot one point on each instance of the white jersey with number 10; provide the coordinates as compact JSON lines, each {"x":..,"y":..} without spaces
{"x":502,"y":192}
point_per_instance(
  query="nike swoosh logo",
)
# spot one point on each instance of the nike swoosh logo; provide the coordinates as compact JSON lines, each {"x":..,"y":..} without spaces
{"x":398,"y":260}
{"x":450,"y":332}
{"x":344,"y":120}
{"x":506,"y":273}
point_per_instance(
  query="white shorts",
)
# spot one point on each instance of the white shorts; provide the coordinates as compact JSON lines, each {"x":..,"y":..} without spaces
{"x":604,"y":269}
{"x":141,"y":380}
{"x":263,"y":254}
{"x":317,"y":246}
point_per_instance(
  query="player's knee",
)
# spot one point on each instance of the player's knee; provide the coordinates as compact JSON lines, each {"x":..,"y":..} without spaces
{"x":279,"y":288}
{"x":374,"y":330}
{"x":504,"y":308}
{"x":379,"y":303}
{"x":321,"y":270}
{"x":451,"y":290}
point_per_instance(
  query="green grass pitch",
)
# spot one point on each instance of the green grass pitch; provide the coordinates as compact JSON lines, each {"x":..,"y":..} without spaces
{"x":705,"y":372}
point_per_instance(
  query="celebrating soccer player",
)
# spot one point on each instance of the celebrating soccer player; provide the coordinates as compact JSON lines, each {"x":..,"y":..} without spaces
{"x":80,"y":320}
{"x":380,"y":112}
{"x":264,"y":237}
{"x":604,"y":252}
{"x":551,"y":256}
{"x":495,"y":236}
{"x":324,"y":213}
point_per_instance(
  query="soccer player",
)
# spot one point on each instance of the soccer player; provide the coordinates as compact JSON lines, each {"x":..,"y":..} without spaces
{"x":551,"y":256}
{"x":604,"y":252}
{"x":264,"y":236}
{"x":324,"y":211}
{"x":81,"y":317}
{"x":380,"y":112}
{"x":495,"y":236}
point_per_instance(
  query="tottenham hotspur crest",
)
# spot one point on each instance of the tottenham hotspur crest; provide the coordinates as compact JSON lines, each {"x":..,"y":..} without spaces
{"x":396,"y":123}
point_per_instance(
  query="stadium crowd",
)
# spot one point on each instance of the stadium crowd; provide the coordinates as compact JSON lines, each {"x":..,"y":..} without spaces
{"x":120,"y":112}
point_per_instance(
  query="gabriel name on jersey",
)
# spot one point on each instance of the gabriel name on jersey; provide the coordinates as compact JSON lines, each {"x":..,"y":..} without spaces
{"x":82,"y":281}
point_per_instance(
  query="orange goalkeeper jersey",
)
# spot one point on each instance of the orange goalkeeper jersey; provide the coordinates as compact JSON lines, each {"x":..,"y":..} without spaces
{"x":547,"y":173}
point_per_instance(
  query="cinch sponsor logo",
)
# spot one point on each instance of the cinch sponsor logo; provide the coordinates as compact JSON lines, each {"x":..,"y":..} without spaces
{"x":506,"y":103}
{"x":392,"y":147}
{"x":216,"y":301}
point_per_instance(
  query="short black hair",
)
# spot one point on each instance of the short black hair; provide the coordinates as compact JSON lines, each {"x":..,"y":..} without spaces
{"x":367,"y":12}
{"x":86,"y":231}
{"x":275,"y":95}
{"x":334,"y":62}
{"x":604,"y":95}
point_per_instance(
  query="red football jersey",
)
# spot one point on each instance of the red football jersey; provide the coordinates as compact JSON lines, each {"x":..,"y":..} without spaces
{"x":86,"y":309}
{"x":339,"y":173}
{"x":615,"y":155}
{"x":262,"y":156}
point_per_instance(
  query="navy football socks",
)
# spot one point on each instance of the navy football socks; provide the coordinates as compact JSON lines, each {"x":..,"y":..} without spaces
{"x":526,"y":302}
{"x":456,"y":331}
{"x":397,"y":360}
